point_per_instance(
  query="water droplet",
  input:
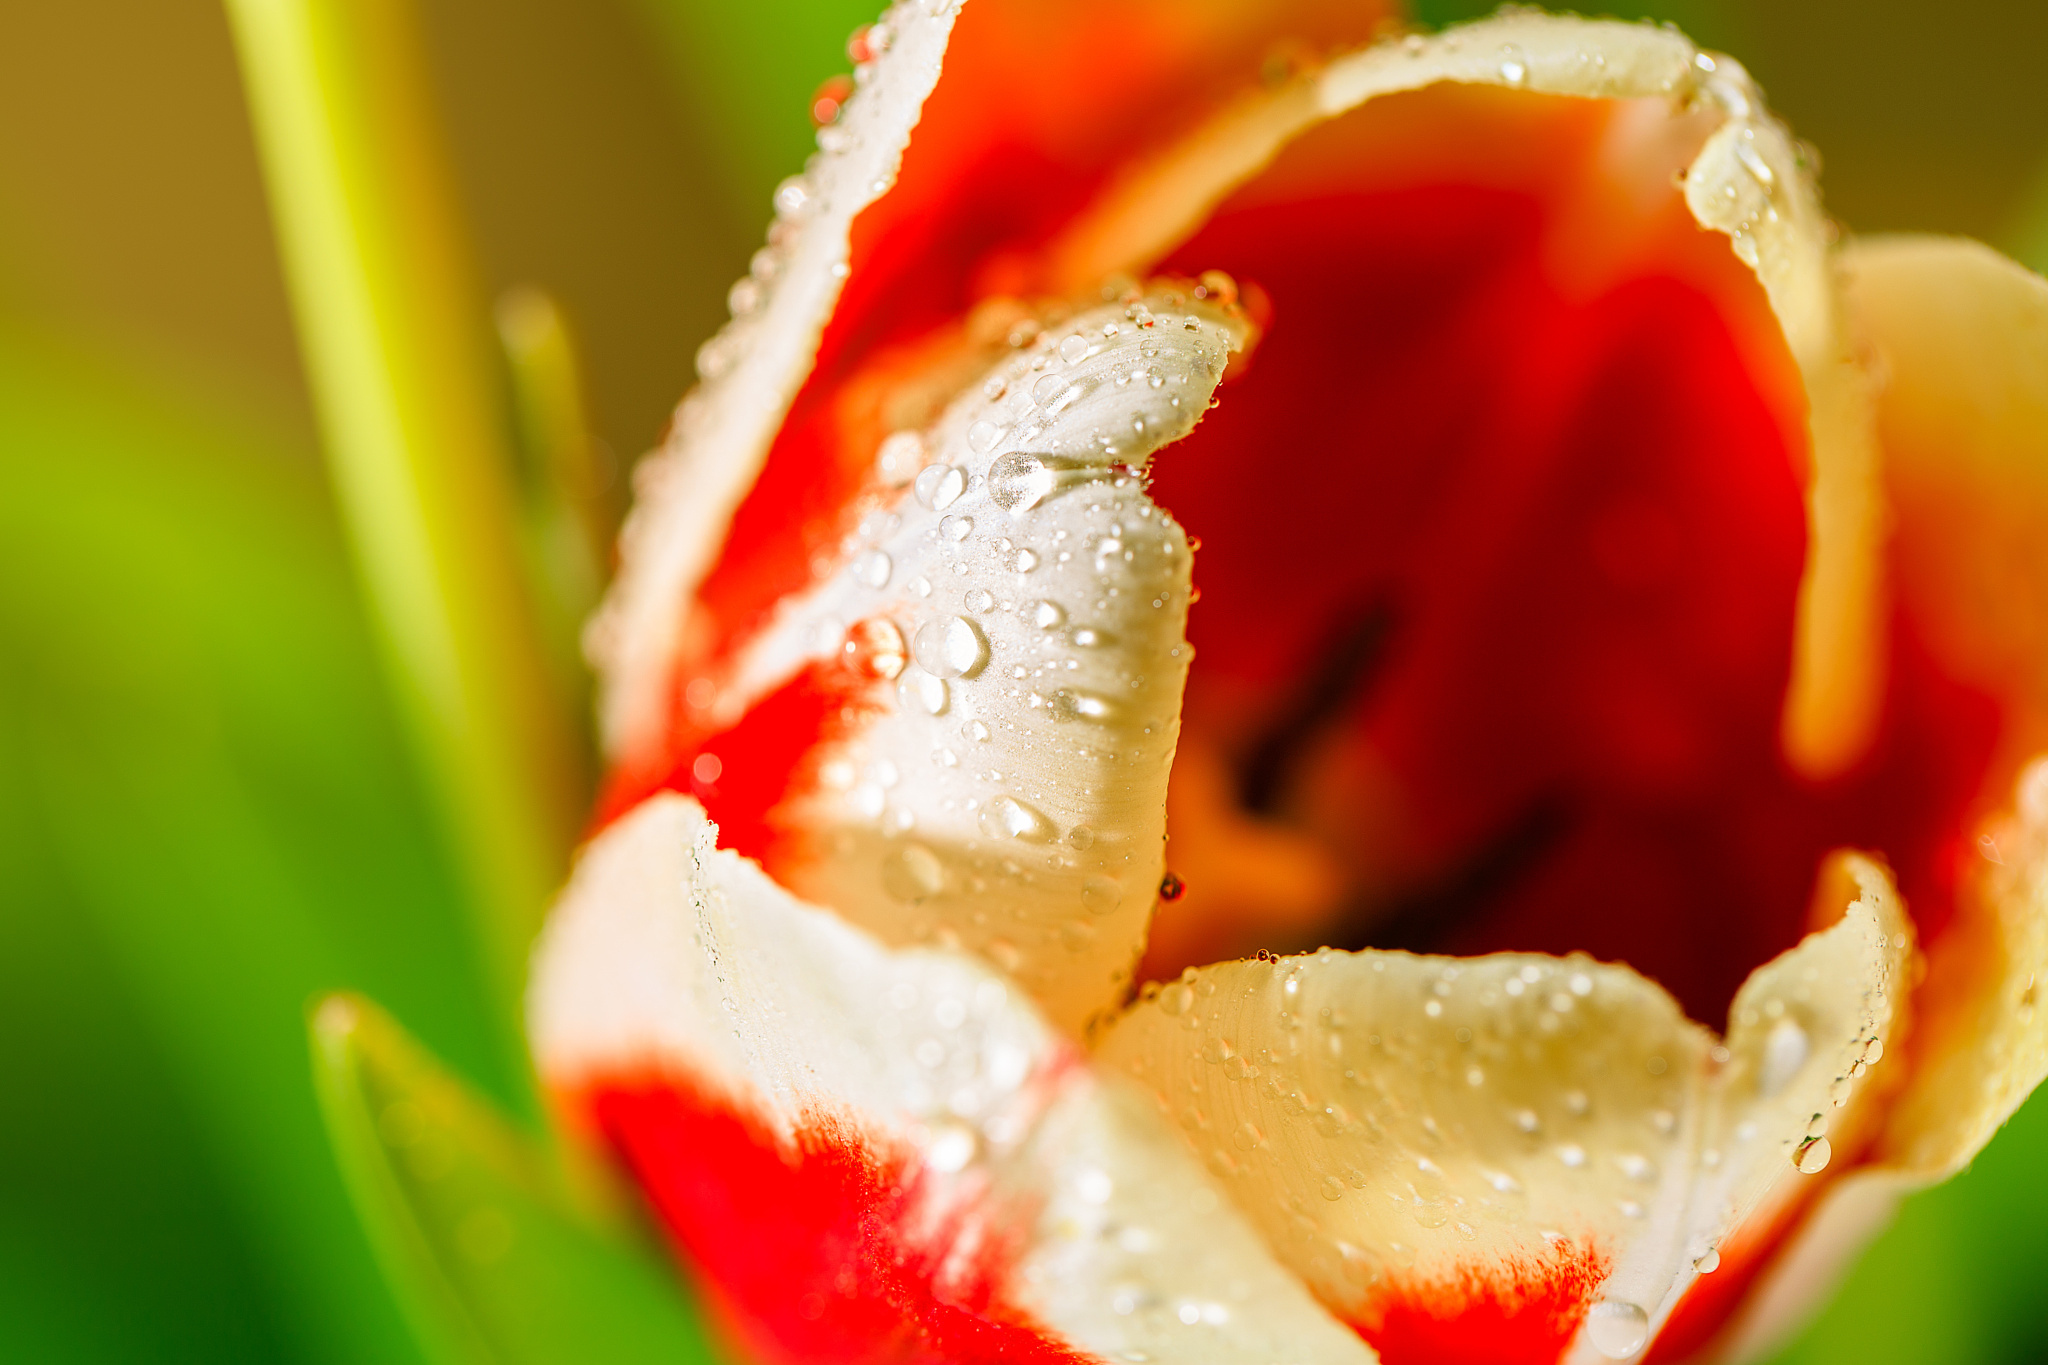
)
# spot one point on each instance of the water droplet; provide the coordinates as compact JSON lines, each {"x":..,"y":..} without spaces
{"x":1047,"y":615}
{"x":920,"y":691}
{"x":1617,"y":1328}
{"x":1873,"y":1051}
{"x":874,"y":648}
{"x":873,"y":568}
{"x":939,"y":486}
{"x":979,"y":600}
{"x":1068,"y":704}
{"x":1074,"y":348}
{"x":951,"y":647}
{"x":1100,"y":895}
{"x":792,"y":196}
{"x":1572,"y":1155}
{"x":951,"y":1147}
{"x":1785,"y":1050}
{"x":1332,"y":1188}
{"x":1025,"y":561}
{"x":982,"y":437}
{"x":1708,"y":1261}
{"x":1811,"y":1156}
{"x":1019,"y":481}
{"x":1172,"y":888}
{"x":1753,"y":161}
{"x":707,"y":768}
{"x":956,"y":528}
{"x":1006,"y":816}
{"x":975,"y":731}
{"x":913,"y":872}
{"x":898,"y":458}
{"x":1216,"y":285}
{"x":1514,"y":67}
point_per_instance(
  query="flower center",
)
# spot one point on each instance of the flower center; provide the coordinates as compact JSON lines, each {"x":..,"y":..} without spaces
{"x":1500,"y":544}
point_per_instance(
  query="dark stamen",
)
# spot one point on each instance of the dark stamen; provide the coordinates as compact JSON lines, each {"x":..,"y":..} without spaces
{"x":1329,"y":689}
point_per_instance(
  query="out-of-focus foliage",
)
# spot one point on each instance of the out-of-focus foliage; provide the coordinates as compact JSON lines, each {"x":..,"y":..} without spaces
{"x":207,"y":812}
{"x":501,"y":1257}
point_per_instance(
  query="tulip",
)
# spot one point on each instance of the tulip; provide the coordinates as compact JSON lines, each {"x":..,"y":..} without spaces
{"x":1579,"y":862}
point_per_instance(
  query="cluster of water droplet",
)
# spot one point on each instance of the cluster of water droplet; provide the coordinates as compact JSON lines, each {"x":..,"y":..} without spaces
{"x":1016,"y":604}
{"x":1386,"y":1113}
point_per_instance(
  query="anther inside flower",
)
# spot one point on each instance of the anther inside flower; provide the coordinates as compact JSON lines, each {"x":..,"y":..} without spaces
{"x":1423,"y":502}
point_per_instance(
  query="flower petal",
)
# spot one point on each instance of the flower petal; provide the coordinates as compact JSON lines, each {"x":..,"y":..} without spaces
{"x":1469,"y":1159}
{"x":751,"y":370}
{"x":881,"y":1154}
{"x":1748,"y":180}
{"x":1960,"y":336}
{"x":964,"y":735}
{"x":999,"y":161}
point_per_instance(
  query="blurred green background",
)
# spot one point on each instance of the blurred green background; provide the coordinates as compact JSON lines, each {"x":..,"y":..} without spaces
{"x":207,"y":808}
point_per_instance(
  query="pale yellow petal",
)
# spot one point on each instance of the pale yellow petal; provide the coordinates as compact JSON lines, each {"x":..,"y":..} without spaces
{"x":669,"y":958}
{"x":1397,"y":1124}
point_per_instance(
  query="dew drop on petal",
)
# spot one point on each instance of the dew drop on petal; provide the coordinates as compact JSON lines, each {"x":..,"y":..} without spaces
{"x":1073,"y":348}
{"x":1811,"y":1156}
{"x":1019,"y":481}
{"x":1617,"y":1328}
{"x":1007,"y":817}
{"x":921,"y":692}
{"x":939,"y":486}
{"x":1047,"y":615}
{"x":951,"y":647}
{"x":873,"y":568}
{"x":874,"y":648}
{"x":912,"y":872}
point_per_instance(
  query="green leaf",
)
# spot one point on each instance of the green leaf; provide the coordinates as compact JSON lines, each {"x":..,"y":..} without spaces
{"x":497,"y":1256}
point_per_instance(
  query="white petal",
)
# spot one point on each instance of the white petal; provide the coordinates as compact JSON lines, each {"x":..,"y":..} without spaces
{"x":1405,"y":1128}
{"x":685,"y":494}
{"x":669,"y":957}
{"x":1007,"y":791}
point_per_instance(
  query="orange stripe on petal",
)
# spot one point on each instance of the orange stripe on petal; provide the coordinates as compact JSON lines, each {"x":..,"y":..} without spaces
{"x":1521,"y":1310}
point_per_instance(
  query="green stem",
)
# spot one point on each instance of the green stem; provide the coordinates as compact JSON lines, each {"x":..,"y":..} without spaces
{"x":398,"y":352}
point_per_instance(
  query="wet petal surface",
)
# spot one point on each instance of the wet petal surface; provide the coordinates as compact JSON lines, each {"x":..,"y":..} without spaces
{"x":1467,"y":1158}
{"x":875,"y":1154}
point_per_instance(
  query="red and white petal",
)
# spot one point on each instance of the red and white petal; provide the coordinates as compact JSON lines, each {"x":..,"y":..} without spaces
{"x":879,"y":1154}
{"x":685,"y":496}
{"x":1511,"y":1158}
{"x":964,"y":735}
{"x":1744,"y":176}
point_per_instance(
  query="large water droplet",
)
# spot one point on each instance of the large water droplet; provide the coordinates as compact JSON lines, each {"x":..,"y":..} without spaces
{"x":951,"y":647}
{"x":920,"y":691}
{"x":913,"y":872}
{"x":1020,"y":481}
{"x":950,"y":1147}
{"x":982,"y":437}
{"x":873,"y":568}
{"x":899,"y":458}
{"x":1068,"y":704}
{"x":1073,"y":348}
{"x":1007,"y":817}
{"x":874,"y":648}
{"x":1617,"y":1328}
{"x":1811,"y":1156}
{"x":1100,"y":895}
{"x":1785,"y":1050}
{"x":939,"y":486}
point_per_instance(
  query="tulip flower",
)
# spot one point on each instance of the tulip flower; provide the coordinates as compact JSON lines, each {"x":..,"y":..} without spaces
{"x":1297,"y":698}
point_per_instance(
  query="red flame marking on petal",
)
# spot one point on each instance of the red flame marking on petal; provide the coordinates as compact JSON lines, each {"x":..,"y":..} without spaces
{"x":1519,"y":1310}
{"x":829,"y":1250}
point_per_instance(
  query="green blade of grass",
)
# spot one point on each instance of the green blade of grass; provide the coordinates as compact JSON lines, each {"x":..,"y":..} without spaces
{"x":398,"y":353}
{"x":491,"y":1251}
